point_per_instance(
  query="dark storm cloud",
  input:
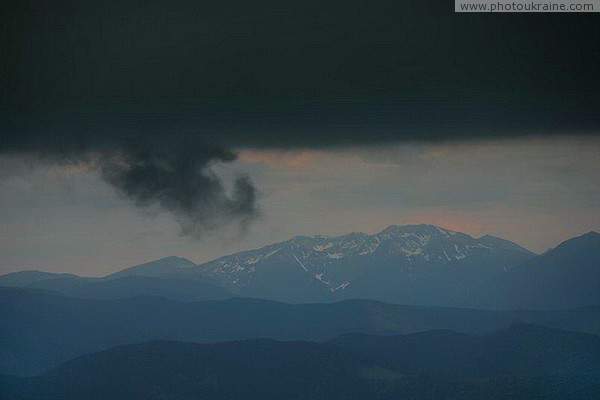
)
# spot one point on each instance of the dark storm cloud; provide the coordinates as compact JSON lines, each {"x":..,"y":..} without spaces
{"x":178,"y":180}
{"x":157,"y":90}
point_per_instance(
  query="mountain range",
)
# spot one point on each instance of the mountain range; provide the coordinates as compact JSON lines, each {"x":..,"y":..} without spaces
{"x":411,"y":264}
{"x":520,"y":362}
{"x":415,"y":311}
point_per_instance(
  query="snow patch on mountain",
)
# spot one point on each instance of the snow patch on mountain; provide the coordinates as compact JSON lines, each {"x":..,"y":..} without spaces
{"x":341,"y":286}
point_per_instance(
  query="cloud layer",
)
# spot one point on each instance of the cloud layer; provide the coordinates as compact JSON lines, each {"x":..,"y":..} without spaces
{"x":155,"y":91}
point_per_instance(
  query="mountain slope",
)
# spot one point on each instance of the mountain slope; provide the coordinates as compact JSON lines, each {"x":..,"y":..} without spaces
{"x":40,"y":329}
{"x":413,"y":264}
{"x":162,"y":267}
{"x":518,"y":363}
{"x":564,"y":277}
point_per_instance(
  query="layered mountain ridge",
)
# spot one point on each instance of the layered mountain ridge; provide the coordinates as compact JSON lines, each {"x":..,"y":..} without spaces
{"x":42,"y":329}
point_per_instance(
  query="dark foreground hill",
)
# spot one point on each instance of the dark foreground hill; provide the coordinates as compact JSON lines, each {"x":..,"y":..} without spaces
{"x":41,"y":329}
{"x":522,"y":362}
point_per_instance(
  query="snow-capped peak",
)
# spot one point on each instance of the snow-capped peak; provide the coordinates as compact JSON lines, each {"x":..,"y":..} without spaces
{"x":328,"y":259}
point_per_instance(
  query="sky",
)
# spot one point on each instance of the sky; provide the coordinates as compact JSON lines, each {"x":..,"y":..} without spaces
{"x":131,"y":130}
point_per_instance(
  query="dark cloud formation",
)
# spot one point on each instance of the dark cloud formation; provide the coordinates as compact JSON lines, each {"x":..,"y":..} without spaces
{"x":178,"y":179}
{"x":157,"y":90}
